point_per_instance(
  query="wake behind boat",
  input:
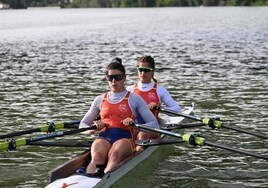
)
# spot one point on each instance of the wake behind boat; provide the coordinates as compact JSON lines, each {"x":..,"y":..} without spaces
{"x":66,"y":176}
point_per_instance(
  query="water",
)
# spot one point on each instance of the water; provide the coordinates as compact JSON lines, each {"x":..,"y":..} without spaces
{"x":52,"y":63}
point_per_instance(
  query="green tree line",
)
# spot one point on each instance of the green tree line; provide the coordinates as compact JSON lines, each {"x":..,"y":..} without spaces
{"x":16,"y":4}
{"x":165,"y":3}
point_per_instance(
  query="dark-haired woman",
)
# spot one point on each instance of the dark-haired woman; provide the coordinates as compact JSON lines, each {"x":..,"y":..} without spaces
{"x":151,"y":92}
{"x":117,"y":109}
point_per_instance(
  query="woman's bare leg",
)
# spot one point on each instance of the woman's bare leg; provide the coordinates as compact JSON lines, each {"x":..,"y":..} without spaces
{"x":99,"y":153}
{"x":120,"y":150}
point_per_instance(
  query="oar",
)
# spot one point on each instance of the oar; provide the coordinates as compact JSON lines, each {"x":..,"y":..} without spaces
{"x":180,"y":126}
{"x":50,"y":127}
{"x":196,"y":140}
{"x":62,"y":144}
{"x":13,"y":144}
{"x":156,"y":142}
{"x":211,"y":122}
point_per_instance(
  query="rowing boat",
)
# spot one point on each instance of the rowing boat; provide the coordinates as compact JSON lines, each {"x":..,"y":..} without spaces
{"x":65,"y":175}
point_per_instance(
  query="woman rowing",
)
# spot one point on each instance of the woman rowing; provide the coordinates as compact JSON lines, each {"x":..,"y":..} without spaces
{"x":117,"y":108}
{"x":151,"y":92}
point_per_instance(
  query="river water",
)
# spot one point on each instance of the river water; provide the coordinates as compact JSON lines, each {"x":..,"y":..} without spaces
{"x":52,"y":63}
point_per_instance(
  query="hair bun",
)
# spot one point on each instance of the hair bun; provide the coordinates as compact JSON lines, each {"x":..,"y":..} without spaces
{"x":117,"y":60}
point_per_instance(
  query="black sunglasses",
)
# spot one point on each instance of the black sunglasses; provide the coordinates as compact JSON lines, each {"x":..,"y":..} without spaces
{"x":116,"y":77}
{"x":144,"y":69}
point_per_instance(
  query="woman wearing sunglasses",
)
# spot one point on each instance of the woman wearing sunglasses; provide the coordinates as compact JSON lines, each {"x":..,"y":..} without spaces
{"x":151,"y":92}
{"x":117,"y":109}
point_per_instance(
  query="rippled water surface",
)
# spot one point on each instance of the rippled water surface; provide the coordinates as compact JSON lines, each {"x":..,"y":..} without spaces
{"x":52,"y":63}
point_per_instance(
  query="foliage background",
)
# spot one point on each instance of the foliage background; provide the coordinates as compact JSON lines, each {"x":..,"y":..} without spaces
{"x":16,"y":4}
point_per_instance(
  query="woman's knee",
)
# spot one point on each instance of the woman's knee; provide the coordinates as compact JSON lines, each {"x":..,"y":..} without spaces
{"x":114,"y":156}
{"x":100,"y":150}
{"x":97,"y":156}
{"x":120,"y":150}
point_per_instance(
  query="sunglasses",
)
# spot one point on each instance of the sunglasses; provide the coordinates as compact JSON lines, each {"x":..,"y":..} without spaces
{"x":116,"y":77}
{"x":144,"y":69}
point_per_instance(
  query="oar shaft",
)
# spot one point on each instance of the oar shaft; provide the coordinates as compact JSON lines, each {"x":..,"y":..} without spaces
{"x":46,"y":128}
{"x":157,"y":142}
{"x":245,"y":131}
{"x":62,"y":144}
{"x":13,"y":144}
{"x":19,"y":133}
{"x":236,"y":150}
{"x":178,"y":113}
{"x":196,"y":140}
{"x":158,"y":130}
{"x":51,"y":127}
{"x":59,"y":134}
{"x":181,"y":126}
{"x":214,"y":123}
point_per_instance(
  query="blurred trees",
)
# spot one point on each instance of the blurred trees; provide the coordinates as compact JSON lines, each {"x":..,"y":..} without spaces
{"x":164,"y":3}
{"x":16,"y":4}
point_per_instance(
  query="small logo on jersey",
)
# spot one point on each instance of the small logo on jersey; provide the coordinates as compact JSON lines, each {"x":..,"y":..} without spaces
{"x":151,"y":96}
{"x":123,"y":108}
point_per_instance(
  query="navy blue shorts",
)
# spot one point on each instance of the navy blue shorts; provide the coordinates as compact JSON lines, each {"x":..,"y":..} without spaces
{"x":114,"y":134}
